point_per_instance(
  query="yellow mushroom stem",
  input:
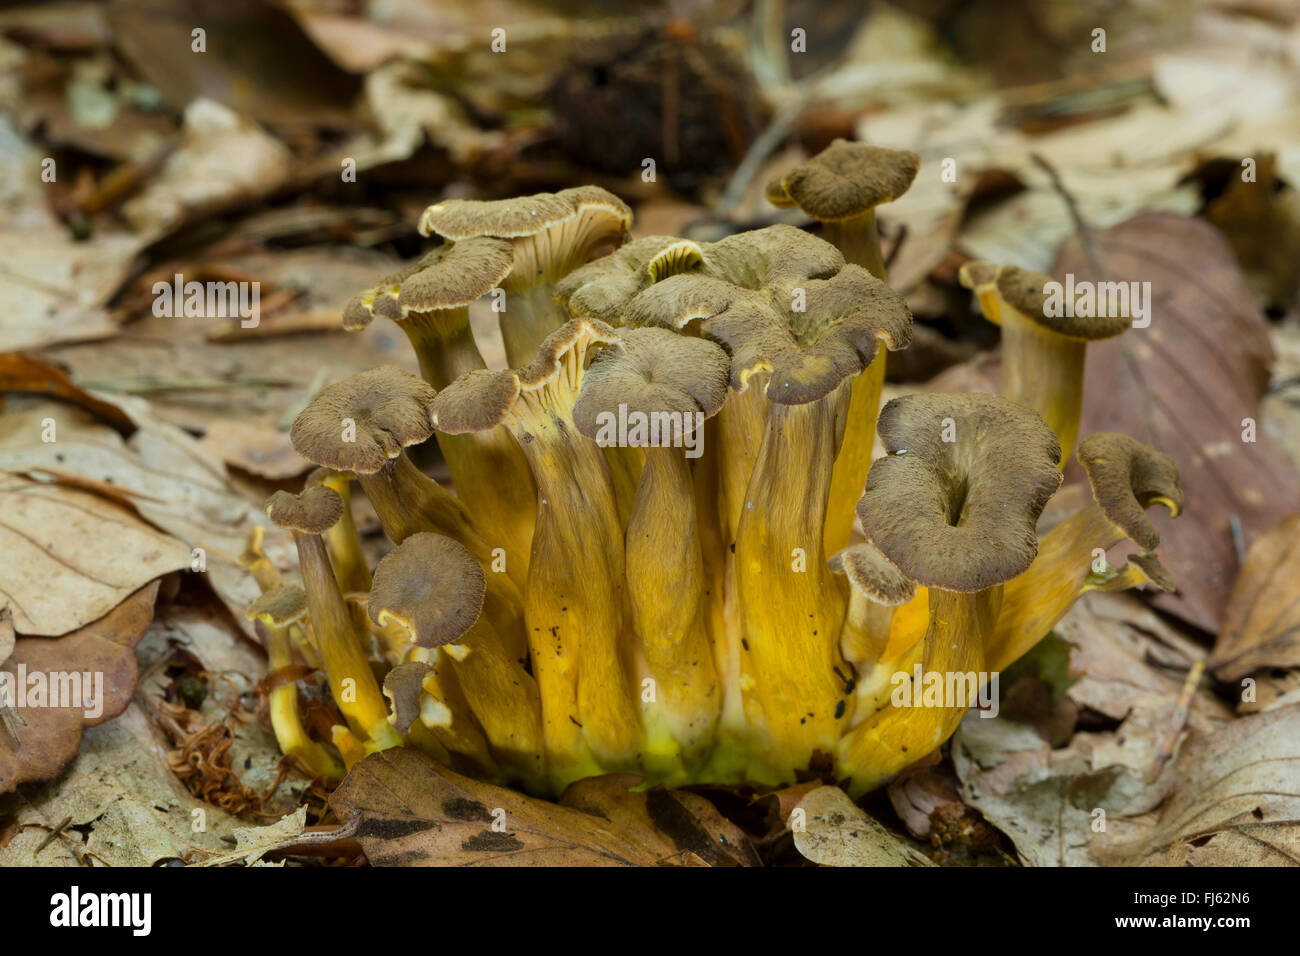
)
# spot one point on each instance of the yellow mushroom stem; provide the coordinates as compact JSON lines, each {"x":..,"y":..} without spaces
{"x":1044,"y":371}
{"x":1034,"y":602}
{"x":504,"y":699}
{"x":286,"y":720}
{"x":665,"y":575}
{"x":625,"y":464}
{"x":446,"y":714}
{"x":865,"y":633}
{"x":791,"y":611}
{"x":351,"y":681}
{"x":344,"y":542}
{"x":575,"y":598}
{"x":267,"y":576}
{"x":911,"y":721}
{"x":487,"y":469}
{"x":858,"y":240}
{"x":853,"y":461}
{"x":408,"y":501}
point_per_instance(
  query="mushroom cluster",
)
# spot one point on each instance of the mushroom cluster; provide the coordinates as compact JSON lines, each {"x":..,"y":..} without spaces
{"x":668,"y":549}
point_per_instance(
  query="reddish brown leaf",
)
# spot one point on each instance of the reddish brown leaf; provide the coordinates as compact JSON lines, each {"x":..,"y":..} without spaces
{"x":1185,"y":384}
{"x":24,"y":373}
{"x":1261,"y":627}
{"x":415,"y":812}
{"x":48,"y":736}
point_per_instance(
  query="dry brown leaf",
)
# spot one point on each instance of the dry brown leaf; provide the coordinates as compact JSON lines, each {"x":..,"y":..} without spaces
{"x":102,"y":656}
{"x":1261,"y":626}
{"x":836,"y":832}
{"x":260,"y":448}
{"x":224,"y":161}
{"x":167,"y":478}
{"x":68,"y":557}
{"x":1185,"y":385}
{"x":6,"y":633}
{"x":1229,"y":799}
{"x":124,"y":806}
{"x":415,"y":812}
{"x":257,"y":59}
{"x":26,"y":373}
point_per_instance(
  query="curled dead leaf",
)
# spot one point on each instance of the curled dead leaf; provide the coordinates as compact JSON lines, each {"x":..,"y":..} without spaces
{"x":84,"y":678}
{"x":1261,"y":625}
{"x":415,"y":812}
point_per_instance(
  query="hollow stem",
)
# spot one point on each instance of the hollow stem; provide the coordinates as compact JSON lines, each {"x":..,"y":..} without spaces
{"x":352,"y":683}
{"x":665,"y":575}
{"x":1044,"y":371}
{"x":791,"y":611}
{"x":858,"y":241}
{"x":854,"y":458}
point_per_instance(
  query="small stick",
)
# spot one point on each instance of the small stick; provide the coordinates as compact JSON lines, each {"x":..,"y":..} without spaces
{"x":1082,"y":228}
{"x":52,"y":835}
{"x":1179,"y":719}
{"x":1238,"y":538}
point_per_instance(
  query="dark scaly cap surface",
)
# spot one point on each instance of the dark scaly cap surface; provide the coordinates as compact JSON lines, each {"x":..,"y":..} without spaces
{"x":430,"y":584}
{"x":1127,"y":477}
{"x":313,"y":511}
{"x":845,"y":180}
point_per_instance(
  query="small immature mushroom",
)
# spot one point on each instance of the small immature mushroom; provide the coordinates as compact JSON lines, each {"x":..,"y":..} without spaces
{"x":430,"y":302}
{"x":981,"y":277}
{"x":665,"y":385}
{"x":433,"y":588}
{"x":877,"y":587}
{"x":841,"y":187}
{"x":343,"y":540}
{"x":1043,"y":354}
{"x":268,"y":577}
{"x":277,"y":610}
{"x":954,"y":507}
{"x":1127,"y":477}
{"x":551,"y":235}
{"x":362,"y":425}
{"x":352,"y":683}
{"x":575,"y":598}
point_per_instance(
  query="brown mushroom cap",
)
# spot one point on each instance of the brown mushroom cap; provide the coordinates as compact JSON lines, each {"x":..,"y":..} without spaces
{"x":402,"y":686}
{"x":602,"y":288}
{"x":845,"y":180}
{"x":1127,"y":477}
{"x":390,"y":408}
{"x":313,"y":511}
{"x":959,"y":515}
{"x":431,"y":585}
{"x":460,"y":219}
{"x":811,"y":352}
{"x":873,"y":574}
{"x":449,"y":277}
{"x":977,"y":272}
{"x":481,"y":399}
{"x":279,"y":607}
{"x":1025,"y":292}
{"x":654,"y":371}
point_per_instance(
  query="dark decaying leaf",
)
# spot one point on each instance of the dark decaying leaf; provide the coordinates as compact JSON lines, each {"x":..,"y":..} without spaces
{"x":415,"y":812}
{"x":48,"y":736}
{"x":1261,"y":627}
{"x":1186,"y":384}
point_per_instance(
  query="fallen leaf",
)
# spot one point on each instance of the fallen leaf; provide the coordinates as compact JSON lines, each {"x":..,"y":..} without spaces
{"x":224,"y":161}
{"x":1187,"y":385}
{"x":167,"y":478}
{"x":836,"y":832}
{"x":68,"y":557}
{"x":256,"y":59}
{"x":257,"y":447}
{"x":6,"y":633}
{"x":26,"y":373}
{"x":93,"y":673}
{"x":415,"y":812}
{"x":1229,"y":799}
{"x":124,"y":806}
{"x":253,"y":843}
{"x":1261,"y":625}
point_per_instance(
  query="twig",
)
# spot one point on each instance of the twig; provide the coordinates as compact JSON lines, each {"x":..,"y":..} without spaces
{"x":899,"y":238}
{"x":1179,"y":719}
{"x":52,"y":836}
{"x":763,"y":146}
{"x":1238,"y":538}
{"x":1082,"y":228}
